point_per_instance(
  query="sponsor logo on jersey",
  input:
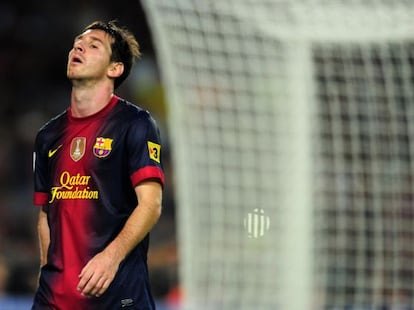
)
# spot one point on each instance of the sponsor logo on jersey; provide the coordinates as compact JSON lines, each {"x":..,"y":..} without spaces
{"x":102,"y":147}
{"x":154,"y":150}
{"x":53,"y":151}
{"x":77,"y":148}
{"x":73,"y":187}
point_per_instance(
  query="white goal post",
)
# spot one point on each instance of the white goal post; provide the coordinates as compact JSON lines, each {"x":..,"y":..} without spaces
{"x":291,"y":127}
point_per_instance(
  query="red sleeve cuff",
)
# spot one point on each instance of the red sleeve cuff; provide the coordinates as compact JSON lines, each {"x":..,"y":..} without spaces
{"x":40,"y":199}
{"x":149,"y":172}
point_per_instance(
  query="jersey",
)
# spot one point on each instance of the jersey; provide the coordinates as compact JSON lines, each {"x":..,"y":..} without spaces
{"x":85,"y":172}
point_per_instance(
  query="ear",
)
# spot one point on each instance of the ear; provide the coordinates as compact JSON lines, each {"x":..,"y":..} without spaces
{"x":115,"y":69}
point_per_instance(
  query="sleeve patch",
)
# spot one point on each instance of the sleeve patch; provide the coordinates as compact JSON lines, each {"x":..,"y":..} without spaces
{"x":154,"y":150}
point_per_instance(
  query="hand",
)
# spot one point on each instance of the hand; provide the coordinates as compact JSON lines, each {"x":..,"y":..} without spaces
{"x":97,"y":275}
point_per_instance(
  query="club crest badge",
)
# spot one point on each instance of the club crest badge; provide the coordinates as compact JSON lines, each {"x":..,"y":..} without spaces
{"x":102,"y":147}
{"x":77,"y":148}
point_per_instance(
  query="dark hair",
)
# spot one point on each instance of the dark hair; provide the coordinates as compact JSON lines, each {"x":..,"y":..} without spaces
{"x":124,"y":46}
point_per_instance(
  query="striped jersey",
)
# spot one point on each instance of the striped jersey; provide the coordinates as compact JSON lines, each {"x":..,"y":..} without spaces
{"x":85,"y":171}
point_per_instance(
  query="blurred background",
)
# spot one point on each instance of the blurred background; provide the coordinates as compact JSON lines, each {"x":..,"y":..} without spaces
{"x":290,"y":130}
{"x":35,"y":39}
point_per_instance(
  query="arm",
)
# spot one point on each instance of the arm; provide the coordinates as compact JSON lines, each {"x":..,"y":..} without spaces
{"x":99,"y":272}
{"x":44,"y":236}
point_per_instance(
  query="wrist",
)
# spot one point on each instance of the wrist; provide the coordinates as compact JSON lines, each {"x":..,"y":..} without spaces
{"x":117,"y":252}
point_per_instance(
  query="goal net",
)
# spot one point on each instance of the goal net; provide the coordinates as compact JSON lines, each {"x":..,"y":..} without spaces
{"x":292,"y":127}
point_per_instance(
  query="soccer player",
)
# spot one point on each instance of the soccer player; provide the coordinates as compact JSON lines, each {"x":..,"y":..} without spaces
{"x":98,"y":181}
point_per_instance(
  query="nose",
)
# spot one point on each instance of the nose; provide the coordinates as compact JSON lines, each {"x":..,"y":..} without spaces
{"x":78,"y":47}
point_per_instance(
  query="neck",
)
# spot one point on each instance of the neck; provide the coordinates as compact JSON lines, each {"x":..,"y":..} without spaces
{"x":87,"y":101}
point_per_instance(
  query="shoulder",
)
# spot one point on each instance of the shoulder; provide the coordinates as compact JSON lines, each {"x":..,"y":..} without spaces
{"x":133,"y":114}
{"x":53,"y":125}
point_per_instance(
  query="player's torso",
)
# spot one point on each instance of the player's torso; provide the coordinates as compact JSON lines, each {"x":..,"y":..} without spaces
{"x":90,"y":198}
{"x":90,"y":194}
{"x":85,"y":159}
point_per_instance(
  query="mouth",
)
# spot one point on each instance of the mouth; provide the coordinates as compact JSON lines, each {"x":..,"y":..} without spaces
{"x":76,"y":60}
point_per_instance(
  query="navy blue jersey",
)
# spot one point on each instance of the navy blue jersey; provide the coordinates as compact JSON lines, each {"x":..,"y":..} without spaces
{"x":85,"y":173}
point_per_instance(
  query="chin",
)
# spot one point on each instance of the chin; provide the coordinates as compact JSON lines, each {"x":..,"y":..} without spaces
{"x":72,"y":75}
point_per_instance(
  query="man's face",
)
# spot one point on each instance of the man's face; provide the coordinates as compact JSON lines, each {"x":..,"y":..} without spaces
{"x":89,"y":58}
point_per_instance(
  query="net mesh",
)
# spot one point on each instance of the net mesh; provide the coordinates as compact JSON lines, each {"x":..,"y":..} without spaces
{"x":365,"y":166}
{"x":291,"y":126}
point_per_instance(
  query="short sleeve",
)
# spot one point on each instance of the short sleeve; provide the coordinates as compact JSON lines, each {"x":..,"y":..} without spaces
{"x":40,"y":196}
{"x":144,"y":150}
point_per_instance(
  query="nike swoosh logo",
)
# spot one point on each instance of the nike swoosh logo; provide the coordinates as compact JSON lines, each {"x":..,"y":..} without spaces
{"x":52,"y":152}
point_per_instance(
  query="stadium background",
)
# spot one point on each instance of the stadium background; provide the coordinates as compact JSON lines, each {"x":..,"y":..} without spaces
{"x":300,"y":110}
{"x":35,"y":39}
